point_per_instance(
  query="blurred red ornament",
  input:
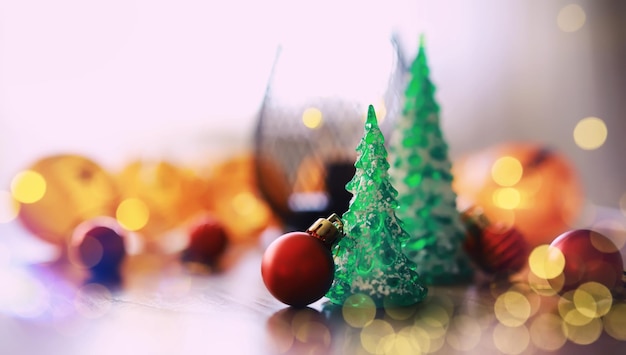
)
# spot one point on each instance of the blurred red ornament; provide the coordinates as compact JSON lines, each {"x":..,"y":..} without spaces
{"x":207,"y":241}
{"x":99,"y":246}
{"x":589,"y":256}
{"x":298,"y":267}
{"x":525,"y":185}
{"x":495,"y":248}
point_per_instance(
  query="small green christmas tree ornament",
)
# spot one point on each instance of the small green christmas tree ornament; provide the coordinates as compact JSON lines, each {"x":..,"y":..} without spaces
{"x":369,"y":258}
{"x":421,"y":173}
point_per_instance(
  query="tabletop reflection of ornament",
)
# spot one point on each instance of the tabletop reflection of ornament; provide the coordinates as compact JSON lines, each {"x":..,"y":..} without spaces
{"x":527,"y":185}
{"x":312,"y":118}
{"x":59,"y":192}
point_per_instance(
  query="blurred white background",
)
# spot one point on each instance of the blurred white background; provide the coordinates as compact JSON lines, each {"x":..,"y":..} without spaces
{"x":114,"y":79}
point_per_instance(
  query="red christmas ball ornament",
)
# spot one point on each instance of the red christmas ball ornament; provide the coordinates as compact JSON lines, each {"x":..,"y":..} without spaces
{"x":495,"y":248}
{"x":589,"y":256}
{"x":298,"y":267}
{"x":207,"y":241}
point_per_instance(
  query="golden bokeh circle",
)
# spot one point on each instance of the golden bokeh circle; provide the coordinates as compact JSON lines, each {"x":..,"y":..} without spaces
{"x":584,"y":334}
{"x":358,"y":310}
{"x":546,"y":262}
{"x":507,"y":171}
{"x":512,"y":309}
{"x":546,"y":332}
{"x":615,"y":321}
{"x":590,"y":133}
{"x":377,"y":337}
{"x":511,"y":340}
{"x":463,"y":333}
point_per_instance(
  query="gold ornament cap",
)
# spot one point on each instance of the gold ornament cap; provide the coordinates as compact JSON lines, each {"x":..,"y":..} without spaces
{"x":328,"y":230}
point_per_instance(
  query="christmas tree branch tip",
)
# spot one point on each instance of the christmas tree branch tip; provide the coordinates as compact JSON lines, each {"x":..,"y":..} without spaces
{"x":371,"y":116}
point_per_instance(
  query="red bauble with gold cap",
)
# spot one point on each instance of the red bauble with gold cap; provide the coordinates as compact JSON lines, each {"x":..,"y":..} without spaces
{"x":298,"y":267}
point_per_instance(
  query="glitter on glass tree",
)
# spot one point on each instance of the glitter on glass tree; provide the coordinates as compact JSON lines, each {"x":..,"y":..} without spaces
{"x":369,"y":258}
{"x":421,"y":174}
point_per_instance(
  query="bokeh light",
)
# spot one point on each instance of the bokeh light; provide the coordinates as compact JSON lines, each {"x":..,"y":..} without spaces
{"x":615,"y":321}
{"x":133,"y":214}
{"x":584,"y":334}
{"x":463,"y":333}
{"x":507,"y":171}
{"x":28,"y":186}
{"x":569,"y":313}
{"x":512,"y":309}
{"x":9,"y":207}
{"x":546,"y":262}
{"x":590,"y":133}
{"x":571,"y":18}
{"x":592,"y":299}
{"x":418,"y":338}
{"x":507,"y":198}
{"x":410,"y":340}
{"x":358,"y":310}
{"x":312,"y":118}
{"x":546,"y":332}
{"x":378,"y":337}
{"x":511,"y":340}
{"x":399,"y":313}
{"x":541,"y":286}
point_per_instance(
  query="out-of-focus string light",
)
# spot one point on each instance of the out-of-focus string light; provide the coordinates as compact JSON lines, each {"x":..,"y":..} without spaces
{"x":615,"y":321}
{"x":592,"y":299}
{"x":511,"y":340}
{"x":507,"y":198}
{"x":546,"y":262}
{"x":28,"y":186}
{"x":583,"y":334}
{"x":590,"y":133}
{"x":571,"y":18}
{"x":463,"y":333}
{"x":132,"y":214}
{"x":358,"y":310}
{"x":569,"y":313}
{"x":377,"y":337}
{"x":9,"y":207}
{"x":312,"y":118}
{"x":546,"y":332}
{"x":512,"y":309}
{"x":419,"y":340}
{"x":507,"y":171}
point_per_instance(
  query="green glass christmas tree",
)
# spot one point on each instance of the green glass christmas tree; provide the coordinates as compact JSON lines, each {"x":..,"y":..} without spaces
{"x":421,"y":173}
{"x":369,"y":258}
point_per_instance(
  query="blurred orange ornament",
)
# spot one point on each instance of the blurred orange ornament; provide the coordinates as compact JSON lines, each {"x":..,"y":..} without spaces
{"x":61,"y":192}
{"x":157,"y":197}
{"x":525,"y":185}
{"x":235,"y":199}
